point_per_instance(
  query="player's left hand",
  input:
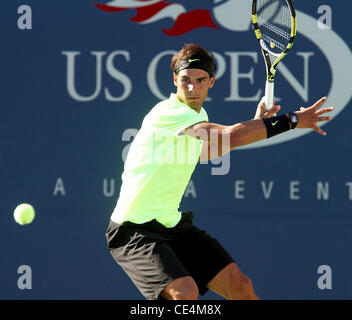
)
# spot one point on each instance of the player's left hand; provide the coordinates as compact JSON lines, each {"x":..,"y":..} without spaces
{"x":309,"y":117}
{"x":262,"y":112}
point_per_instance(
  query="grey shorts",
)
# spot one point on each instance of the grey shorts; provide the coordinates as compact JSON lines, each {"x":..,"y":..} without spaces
{"x":153,"y":255}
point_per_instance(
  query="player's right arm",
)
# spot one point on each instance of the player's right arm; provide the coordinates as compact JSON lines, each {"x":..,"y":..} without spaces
{"x":221,"y":139}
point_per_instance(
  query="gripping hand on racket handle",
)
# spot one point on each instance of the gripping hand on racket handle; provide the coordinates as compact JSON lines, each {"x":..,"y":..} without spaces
{"x":262,"y":112}
{"x":309,"y":117}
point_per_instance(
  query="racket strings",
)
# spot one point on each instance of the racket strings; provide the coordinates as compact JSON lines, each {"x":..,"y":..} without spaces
{"x":273,"y":41}
{"x":281,"y":33}
{"x":275,"y":23}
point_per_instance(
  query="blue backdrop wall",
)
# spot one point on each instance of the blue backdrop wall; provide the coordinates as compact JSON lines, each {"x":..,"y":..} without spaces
{"x":77,"y":78}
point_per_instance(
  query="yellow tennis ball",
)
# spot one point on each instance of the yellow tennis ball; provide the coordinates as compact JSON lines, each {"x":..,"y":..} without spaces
{"x":272,"y":45}
{"x":24,"y":213}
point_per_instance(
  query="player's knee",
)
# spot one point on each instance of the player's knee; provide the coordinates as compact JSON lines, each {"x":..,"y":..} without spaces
{"x":246,"y":290}
{"x":246,"y":284}
{"x":187,"y":290}
{"x":181,"y":289}
{"x":187,"y":294}
{"x":241,"y":286}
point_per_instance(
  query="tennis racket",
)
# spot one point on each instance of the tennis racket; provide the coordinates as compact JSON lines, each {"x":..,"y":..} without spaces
{"x":275,"y":26}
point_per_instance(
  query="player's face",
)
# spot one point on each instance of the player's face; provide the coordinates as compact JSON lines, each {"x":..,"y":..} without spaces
{"x":192,"y":87}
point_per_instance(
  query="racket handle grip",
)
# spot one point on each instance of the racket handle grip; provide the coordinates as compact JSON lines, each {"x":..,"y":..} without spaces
{"x":269,"y":94}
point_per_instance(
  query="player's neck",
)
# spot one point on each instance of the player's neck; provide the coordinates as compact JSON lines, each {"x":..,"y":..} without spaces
{"x":195,"y":108}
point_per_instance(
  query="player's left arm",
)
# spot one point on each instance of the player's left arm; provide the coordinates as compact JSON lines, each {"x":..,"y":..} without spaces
{"x":229,"y":137}
{"x":213,"y":150}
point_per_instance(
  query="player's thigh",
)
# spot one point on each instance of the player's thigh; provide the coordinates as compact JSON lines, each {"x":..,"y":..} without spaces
{"x":202,"y":256}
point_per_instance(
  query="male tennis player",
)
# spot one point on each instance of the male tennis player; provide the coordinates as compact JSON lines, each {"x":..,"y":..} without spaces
{"x":158,"y":246}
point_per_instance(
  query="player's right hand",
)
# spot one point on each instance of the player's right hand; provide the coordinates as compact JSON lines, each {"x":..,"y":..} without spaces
{"x":262,"y":111}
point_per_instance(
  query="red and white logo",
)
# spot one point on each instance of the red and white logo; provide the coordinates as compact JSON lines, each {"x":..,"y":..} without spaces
{"x":149,"y":11}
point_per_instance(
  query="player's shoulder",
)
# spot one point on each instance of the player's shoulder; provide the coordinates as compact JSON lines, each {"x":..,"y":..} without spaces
{"x":170,"y":106}
{"x":163,"y":104}
{"x":173,"y":109}
{"x":204,"y":113}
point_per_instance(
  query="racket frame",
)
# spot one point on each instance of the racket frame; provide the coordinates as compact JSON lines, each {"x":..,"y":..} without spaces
{"x":271,"y":67}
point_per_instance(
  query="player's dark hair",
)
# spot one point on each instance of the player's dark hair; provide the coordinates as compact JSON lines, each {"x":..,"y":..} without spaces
{"x":196,"y":52}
